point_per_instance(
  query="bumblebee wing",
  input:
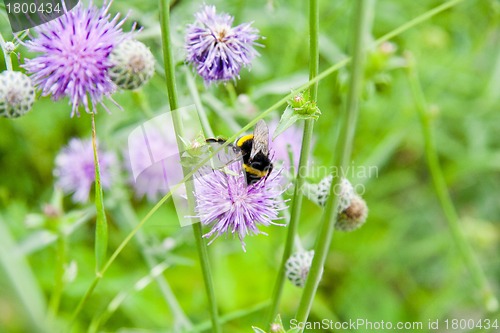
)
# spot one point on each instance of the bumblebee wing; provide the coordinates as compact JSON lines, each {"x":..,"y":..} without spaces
{"x":260,"y":139}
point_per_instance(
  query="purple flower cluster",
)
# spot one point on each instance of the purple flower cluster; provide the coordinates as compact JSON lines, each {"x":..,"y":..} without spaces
{"x":229,"y":205}
{"x":73,"y":56}
{"x":216,"y":49}
{"x":74,"y":169}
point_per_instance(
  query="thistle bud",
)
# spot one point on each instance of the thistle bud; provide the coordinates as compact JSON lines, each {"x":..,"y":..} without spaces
{"x":354,"y":216}
{"x":9,"y":47}
{"x":319,"y":193}
{"x":302,"y":104}
{"x":17,"y":94}
{"x":133,"y":65}
{"x":297,"y":267}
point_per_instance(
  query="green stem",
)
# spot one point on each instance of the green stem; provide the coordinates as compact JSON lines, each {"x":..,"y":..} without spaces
{"x":329,"y":71}
{"x":205,"y":326}
{"x":115,"y":254}
{"x":233,"y":96}
{"x":442,"y":193}
{"x":116,"y":302}
{"x":221,"y":111}
{"x":197,"y":102}
{"x":197,"y":230}
{"x":55,"y":297}
{"x":124,"y":212}
{"x":417,"y":20}
{"x":20,"y":281}
{"x":363,"y":21}
{"x":8,"y":60}
{"x":143,"y":104}
{"x":304,"y":155}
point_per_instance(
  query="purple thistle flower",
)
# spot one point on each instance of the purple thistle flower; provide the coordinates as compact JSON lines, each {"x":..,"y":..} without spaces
{"x":225,"y":201}
{"x":216,"y":49}
{"x":73,"y":60}
{"x":74,"y":169}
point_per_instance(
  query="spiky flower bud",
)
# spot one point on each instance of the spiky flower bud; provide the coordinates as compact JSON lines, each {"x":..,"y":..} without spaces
{"x":353,"y":216}
{"x":17,"y":94}
{"x":319,"y":193}
{"x":302,"y":104}
{"x":297,"y":267}
{"x":298,"y":101}
{"x":9,"y":47}
{"x":133,"y":64}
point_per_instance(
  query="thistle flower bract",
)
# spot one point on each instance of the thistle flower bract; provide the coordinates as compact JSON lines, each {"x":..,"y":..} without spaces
{"x":297,"y":267}
{"x":217,"y":50}
{"x":17,"y":94}
{"x":74,"y":169}
{"x":319,"y":193}
{"x":133,"y":64}
{"x":73,"y":60}
{"x":353,"y":216}
{"x":224,"y":201}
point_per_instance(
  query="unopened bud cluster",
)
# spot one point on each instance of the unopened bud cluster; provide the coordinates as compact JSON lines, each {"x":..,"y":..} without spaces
{"x":302,"y":104}
{"x":353,"y":210}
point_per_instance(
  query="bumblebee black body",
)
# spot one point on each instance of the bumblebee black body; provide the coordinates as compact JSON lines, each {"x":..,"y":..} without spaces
{"x":254,"y":150}
{"x":256,"y":167}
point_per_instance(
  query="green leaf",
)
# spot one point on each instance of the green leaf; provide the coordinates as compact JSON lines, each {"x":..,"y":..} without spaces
{"x":101,"y":228}
{"x":277,"y":325}
{"x":258,"y":330}
{"x":288,"y":118}
{"x":20,"y":280}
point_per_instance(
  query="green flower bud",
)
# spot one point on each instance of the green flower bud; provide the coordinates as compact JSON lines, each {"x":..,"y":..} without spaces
{"x":302,"y":105}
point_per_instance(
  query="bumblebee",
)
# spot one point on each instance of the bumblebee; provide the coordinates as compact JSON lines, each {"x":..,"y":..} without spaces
{"x":254,"y":150}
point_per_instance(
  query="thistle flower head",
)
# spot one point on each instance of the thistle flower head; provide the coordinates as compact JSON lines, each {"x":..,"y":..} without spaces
{"x":297,"y":267}
{"x":132,"y":64}
{"x":17,"y":94}
{"x":230,"y":206}
{"x":73,"y":55}
{"x":74,"y":169}
{"x":217,"y":50}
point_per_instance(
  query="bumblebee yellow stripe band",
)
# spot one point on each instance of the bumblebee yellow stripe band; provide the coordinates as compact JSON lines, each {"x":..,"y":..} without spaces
{"x":243,"y":139}
{"x":254,"y":171}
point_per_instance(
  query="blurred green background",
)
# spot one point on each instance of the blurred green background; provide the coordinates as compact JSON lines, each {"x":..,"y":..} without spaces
{"x":401,"y":266}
